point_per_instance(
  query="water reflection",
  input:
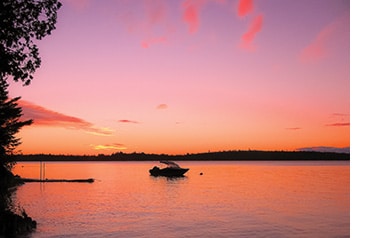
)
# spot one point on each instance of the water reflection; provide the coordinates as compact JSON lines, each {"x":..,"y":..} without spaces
{"x":174,"y":179}
{"x":230,"y":199}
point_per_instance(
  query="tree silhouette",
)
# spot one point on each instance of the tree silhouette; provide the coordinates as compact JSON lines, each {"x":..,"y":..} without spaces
{"x":22,"y":22}
{"x":10,"y":124}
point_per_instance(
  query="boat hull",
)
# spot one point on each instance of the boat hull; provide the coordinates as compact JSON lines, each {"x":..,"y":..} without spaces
{"x":168,"y":172}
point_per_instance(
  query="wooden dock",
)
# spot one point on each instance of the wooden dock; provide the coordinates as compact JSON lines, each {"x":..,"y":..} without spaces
{"x":43,"y":179}
{"x":30,"y":180}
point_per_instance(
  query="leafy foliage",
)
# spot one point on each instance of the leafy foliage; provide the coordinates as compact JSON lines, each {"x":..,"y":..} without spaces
{"x":23,"y":21}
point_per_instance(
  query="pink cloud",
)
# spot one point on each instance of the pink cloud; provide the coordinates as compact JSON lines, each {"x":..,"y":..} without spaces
{"x":113,"y":146}
{"x":316,"y":50}
{"x":293,"y":128}
{"x":339,"y":124}
{"x":244,"y":7}
{"x":151,"y":41}
{"x":339,"y":120}
{"x":155,"y":11}
{"x":128,"y":121}
{"x":156,"y":19}
{"x":254,"y":28}
{"x":190,"y":15}
{"x":162,"y":106}
{"x":151,"y":24}
{"x":323,"y":43}
{"x":44,"y":117}
{"x":191,"y":12}
{"x":340,"y":114}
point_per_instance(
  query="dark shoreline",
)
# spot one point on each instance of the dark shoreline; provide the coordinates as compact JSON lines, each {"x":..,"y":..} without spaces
{"x":12,"y":223}
{"x":209,"y":156}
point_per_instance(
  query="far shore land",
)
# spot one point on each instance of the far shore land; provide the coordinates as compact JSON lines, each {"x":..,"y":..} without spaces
{"x":251,"y":155}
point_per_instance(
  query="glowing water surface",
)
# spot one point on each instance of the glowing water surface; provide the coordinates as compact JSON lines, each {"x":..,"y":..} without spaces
{"x":230,"y":199}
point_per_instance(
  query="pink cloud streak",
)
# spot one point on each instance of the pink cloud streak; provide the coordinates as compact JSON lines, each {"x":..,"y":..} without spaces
{"x":155,"y":11}
{"x":151,"y":25}
{"x":254,"y":28}
{"x":319,"y":47}
{"x":293,"y":128}
{"x":44,"y":117}
{"x":244,"y":7}
{"x":339,"y":124}
{"x":162,"y":106}
{"x":154,"y":40}
{"x":316,"y":50}
{"x":128,"y":121}
{"x":190,"y":15}
{"x":113,"y":146}
{"x":191,"y":9}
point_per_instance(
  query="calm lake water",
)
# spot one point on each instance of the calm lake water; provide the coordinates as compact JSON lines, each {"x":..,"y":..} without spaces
{"x":230,"y":199}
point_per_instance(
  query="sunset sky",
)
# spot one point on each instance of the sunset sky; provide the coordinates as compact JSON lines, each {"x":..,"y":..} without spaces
{"x":187,"y":76}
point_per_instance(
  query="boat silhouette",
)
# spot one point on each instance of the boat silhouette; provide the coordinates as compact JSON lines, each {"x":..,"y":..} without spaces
{"x":171,"y":170}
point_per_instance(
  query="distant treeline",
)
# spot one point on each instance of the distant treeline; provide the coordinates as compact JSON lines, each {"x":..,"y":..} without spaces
{"x":214,"y":156}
